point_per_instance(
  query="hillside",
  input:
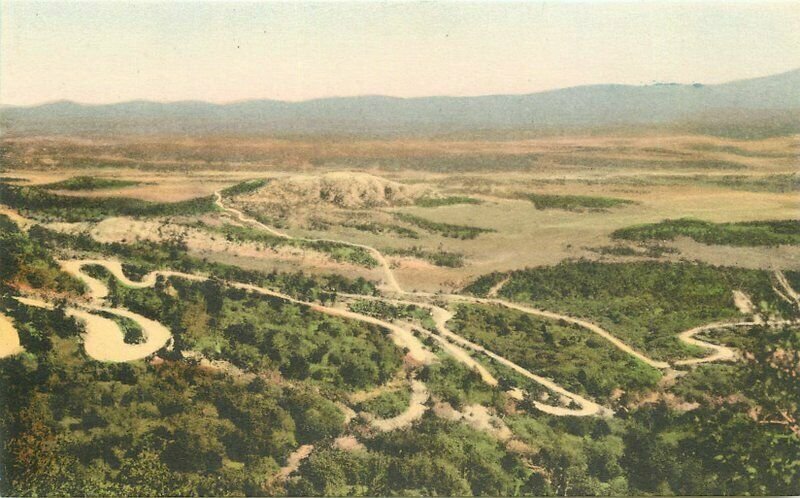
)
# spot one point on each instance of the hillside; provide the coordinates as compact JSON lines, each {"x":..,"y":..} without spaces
{"x":755,"y":107}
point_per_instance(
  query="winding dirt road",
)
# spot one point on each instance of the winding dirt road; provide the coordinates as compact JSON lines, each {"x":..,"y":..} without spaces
{"x":416,"y":409}
{"x":97,"y":330}
{"x":104,"y":342}
{"x":720,"y":353}
{"x":441,"y":315}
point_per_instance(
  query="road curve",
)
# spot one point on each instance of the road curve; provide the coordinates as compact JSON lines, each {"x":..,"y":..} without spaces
{"x":416,"y":409}
{"x":402,"y":337}
{"x":720,"y":352}
{"x":557,"y":316}
{"x":103,"y":340}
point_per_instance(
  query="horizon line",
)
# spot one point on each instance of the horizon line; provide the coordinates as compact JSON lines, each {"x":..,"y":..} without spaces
{"x":377,"y":95}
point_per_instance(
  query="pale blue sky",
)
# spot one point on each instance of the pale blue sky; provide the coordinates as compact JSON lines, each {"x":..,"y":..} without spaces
{"x":228,"y":51}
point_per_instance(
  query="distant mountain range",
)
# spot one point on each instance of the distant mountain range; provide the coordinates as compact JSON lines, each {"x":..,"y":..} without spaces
{"x":753,"y":107}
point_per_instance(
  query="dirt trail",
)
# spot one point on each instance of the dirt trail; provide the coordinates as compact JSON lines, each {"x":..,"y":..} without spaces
{"x":743,"y":303}
{"x":453,"y":342}
{"x":416,"y":409}
{"x":391,"y":386}
{"x":22,"y":222}
{"x":452,"y":349}
{"x":391,"y":280}
{"x":557,"y":316}
{"x":9,"y":338}
{"x":104,"y":341}
{"x":586,"y":407}
{"x":294,"y":460}
{"x":720,"y":353}
{"x":787,"y":287}
{"x":496,"y":287}
{"x":402,"y":337}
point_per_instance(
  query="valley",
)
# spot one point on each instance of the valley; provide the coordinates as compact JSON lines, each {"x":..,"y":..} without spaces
{"x":544,"y":307}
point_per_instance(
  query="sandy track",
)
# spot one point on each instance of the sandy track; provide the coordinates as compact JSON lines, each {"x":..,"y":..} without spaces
{"x":586,"y":407}
{"x":402,"y":337}
{"x":416,"y":409}
{"x":496,"y":287}
{"x":743,"y":303}
{"x":9,"y":338}
{"x":720,"y":353}
{"x":557,"y":316}
{"x":452,"y":349}
{"x":294,"y":460}
{"x":103,"y":340}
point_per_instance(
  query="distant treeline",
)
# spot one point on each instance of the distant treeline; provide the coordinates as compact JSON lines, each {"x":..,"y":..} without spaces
{"x":88,"y":183}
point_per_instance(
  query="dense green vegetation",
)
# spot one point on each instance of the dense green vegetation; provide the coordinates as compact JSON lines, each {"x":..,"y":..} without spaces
{"x":175,"y":429}
{"x":429,"y":202}
{"x":575,"y":202}
{"x":381,"y":309}
{"x":645,"y":303}
{"x":451,"y":381}
{"x":576,"y":358}
{"x":745,"y":233}
{"x":383,"y":228}
{"x":89,"y":183}
{"x":131,"y":331}
{"x":439,"y":257}
{"x":76,"y":427}
{"x":721,"y":447}
{"x":444,"y":229}
{"x":259,"y":333}
{"x":650,"y":250}
{"x":244,"y":187}
{"x":767,"y":183}
{"x":387,"y":404}
{"x":778,"y":183}
{"x":42,"y":204}
{"x":148,"y":256}
{"x":436,"y":458}
{"x":24,"y":262}
{"x":343,"y":253}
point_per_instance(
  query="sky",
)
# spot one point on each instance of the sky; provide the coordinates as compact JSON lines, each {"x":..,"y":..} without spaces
{"x":112,"y":51}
